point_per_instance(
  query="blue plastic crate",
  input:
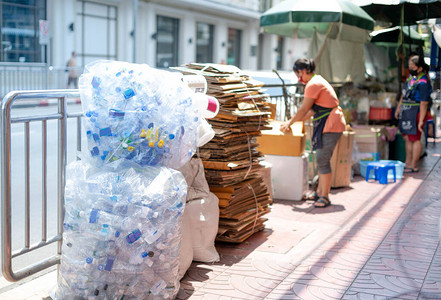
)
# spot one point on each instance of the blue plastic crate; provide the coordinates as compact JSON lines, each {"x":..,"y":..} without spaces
{"x":399,"y":169}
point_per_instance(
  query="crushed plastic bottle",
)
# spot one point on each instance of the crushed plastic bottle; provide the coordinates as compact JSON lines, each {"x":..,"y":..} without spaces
{"x":138,"y":113}
{"x":121,"y":231}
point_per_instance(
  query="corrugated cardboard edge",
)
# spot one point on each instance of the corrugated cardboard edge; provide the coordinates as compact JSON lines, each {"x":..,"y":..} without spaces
{"x":280,"y":143}
{"x":341,"y":176}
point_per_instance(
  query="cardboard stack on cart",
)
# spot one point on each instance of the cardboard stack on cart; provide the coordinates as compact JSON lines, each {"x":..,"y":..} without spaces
{"x":231,"y":160}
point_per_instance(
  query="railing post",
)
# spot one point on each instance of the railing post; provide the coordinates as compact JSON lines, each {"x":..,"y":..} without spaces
{"x":6,"y":187}
{"x":62,"y":154}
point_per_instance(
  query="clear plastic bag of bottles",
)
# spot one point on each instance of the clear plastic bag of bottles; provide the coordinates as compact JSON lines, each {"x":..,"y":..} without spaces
{"x":121,"y":232}
{"x":138,"y":113}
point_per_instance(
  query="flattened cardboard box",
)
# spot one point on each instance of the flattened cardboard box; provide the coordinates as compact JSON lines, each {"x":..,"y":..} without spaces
{"x":275,"y":142}
{"x":312,"y":165}
{"x":341,"y":160}
{"x":369,"y":139}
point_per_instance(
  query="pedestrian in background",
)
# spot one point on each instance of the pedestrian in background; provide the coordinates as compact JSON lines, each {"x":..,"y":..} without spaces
{"x":72,"y":69}
{"x":320,"y":101}
{"x":412,"y":110}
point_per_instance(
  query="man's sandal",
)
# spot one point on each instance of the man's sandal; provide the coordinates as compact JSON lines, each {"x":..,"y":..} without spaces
{"x":311,"y":196}
{"x":322,"y":202}
{"x":407,"y":170}
{"x":410,"y":170}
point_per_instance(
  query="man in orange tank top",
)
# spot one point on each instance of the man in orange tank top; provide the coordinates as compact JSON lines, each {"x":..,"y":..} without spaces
{"x":320,"y":101}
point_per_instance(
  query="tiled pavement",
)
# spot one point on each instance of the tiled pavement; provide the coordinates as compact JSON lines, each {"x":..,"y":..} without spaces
{"x":375,"y":242}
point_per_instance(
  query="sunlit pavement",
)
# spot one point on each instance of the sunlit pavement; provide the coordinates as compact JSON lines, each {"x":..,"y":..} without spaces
{"x":374,"y":242}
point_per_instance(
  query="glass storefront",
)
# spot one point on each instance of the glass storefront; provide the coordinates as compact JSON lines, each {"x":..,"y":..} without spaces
{"x":204,"y":42}
{"x":20,"y":30}
{"x":234,"y":41}
{"x":167,"y":42}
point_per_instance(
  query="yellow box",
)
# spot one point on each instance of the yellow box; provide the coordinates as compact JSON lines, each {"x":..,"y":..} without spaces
{"x":275,"y":142}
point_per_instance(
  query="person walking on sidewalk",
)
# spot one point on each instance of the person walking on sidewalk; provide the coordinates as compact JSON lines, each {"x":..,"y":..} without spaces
{"x":72,"y":69}
{"x":412,"y":111}
{"x":320,"y":101}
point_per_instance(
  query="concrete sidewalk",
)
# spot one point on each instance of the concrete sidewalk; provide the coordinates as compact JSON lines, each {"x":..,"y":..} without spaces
{"x":375,"y":242}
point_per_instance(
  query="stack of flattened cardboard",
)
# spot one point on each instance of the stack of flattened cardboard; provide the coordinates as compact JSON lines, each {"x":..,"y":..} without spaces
{"x":231,"y":159}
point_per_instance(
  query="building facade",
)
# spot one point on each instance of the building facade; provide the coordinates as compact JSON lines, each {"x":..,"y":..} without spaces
{"x":19,"y":30}
{"x":160,"y":33}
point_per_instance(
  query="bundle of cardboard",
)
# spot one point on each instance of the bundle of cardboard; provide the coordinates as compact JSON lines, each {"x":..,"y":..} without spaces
{"x":231,"y":160}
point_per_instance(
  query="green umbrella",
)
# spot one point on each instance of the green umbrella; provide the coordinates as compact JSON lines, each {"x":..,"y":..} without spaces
{"x":401,"y":12}
{"x":303,"y":17}
{"x":392,"y":35}
{"x":397,"y":12}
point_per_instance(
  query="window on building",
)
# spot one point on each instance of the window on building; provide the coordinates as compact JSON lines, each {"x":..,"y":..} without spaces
{"x":265,"y":5}
{"x":204,"y":42}
{"x":96,"y":32}
{"x":20,"y":30}
{"x":280,"y":49}
{"x":167,"y":42}
{"x":234,"y":41}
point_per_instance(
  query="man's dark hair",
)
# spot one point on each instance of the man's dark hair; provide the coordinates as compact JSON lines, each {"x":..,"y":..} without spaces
{"x":304,"y":64}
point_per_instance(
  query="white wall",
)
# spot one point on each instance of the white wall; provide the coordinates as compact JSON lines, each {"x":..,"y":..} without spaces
{"x":124,"y":28}
{"x":295,"y":49}
{"x":60,"y":14}
{"x":269,"y":55}
{"x":187,"y":31}
{"x":220,"y":43}
{"x":253,"y":40}
{"x":188,"y":41}
{"x":146,"y":28}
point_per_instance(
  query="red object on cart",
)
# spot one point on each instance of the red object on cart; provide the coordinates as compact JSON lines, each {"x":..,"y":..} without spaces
{"x":380,"y":113}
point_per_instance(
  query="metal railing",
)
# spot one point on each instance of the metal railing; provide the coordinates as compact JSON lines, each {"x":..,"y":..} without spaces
{"x":32,"y":76}
{"x":294,"y":101}
{"x":7,"y":120}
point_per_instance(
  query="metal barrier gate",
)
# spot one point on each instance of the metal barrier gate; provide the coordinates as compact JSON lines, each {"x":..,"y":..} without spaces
{"x":7,"y":120}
